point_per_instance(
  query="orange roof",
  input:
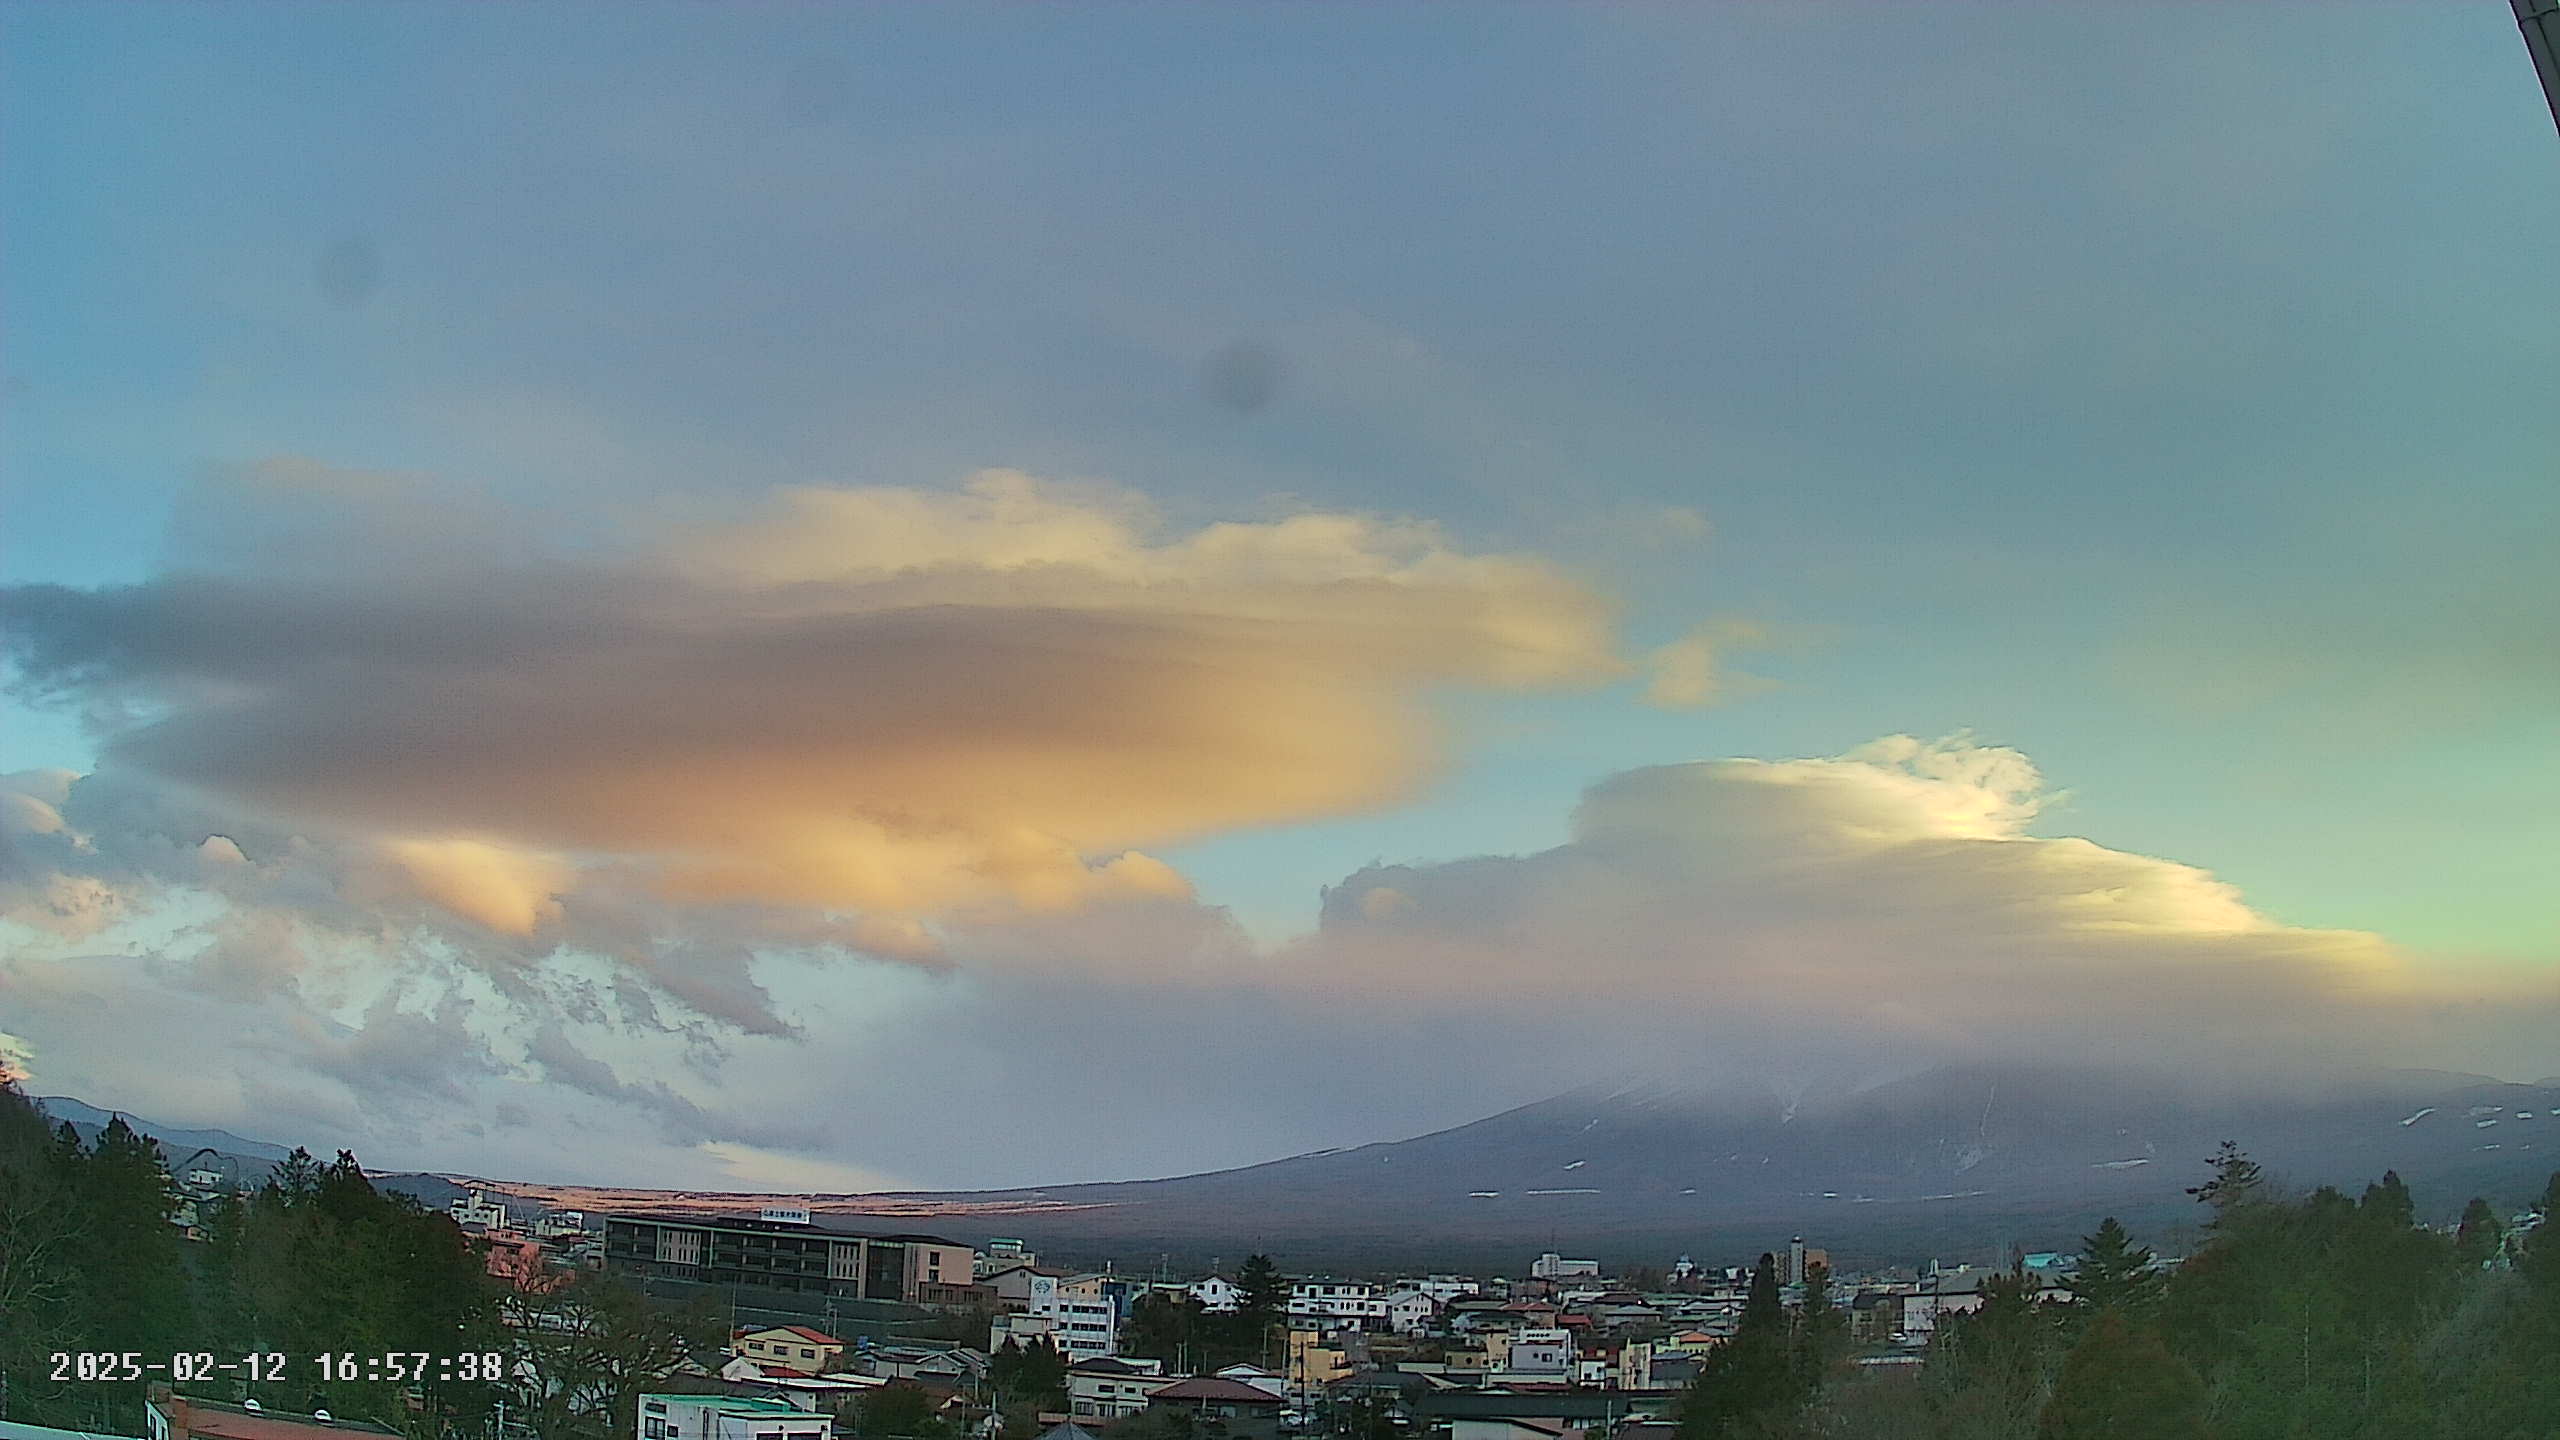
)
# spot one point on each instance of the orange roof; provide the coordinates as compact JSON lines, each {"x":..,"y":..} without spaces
{"x":230,"y":1424}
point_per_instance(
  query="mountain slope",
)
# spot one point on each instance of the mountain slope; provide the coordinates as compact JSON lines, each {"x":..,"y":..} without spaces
{"x":89,"y":1120}
{"x":1957,"y":1161}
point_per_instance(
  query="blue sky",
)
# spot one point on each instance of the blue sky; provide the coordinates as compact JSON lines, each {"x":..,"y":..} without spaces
{"x":2164,"y":393}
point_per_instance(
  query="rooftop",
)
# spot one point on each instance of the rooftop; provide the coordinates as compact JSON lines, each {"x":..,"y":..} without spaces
{"x":822,"y":1224}
{"x":222,"y":1421}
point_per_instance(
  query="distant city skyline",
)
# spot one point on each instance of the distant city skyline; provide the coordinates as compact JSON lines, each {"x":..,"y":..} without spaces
{"x":920,"y":598}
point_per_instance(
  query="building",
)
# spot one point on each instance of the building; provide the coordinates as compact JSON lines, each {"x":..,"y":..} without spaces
{"x":1105,"y":1389}
{"x":1350,"y":1304}
{"x":1552,"y":1266}
{"x":783,"y":1249}
{"x":560,"y":1224}
{"x":1217,"y":1295}
{"x":1797,"y":1259}
{"x":1410,"y":1312}
{"x":1003,"y":1254}
{"x":1257,"y":1377}
{"x":796,"y":1347}
{"x":950,"y":1369}
{"x":1444,"y":1288}
{"x":473,"y":1211}
{"x":170,"y":1416}
{"x":1079,"y":1314}
{"x":1535,"y":1356}
{"x":728,"y":1417}
{"x":1223,"y":1407}
{"x":517,"y":1260}
{"x":1959,"y":1292}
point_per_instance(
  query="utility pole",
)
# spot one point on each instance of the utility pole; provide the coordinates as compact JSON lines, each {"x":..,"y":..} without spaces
{"x":2540,"y":22}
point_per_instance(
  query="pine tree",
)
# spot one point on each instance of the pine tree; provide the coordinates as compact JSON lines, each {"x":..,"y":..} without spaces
{"x":133,"y":1271}
{"x":1751,"y":1377}
{"x":2237,"y":1182}
{"x":1821,"y":1333}
{"x":2114,"y":1273}
{"x":2477,"y":1240}
{"x":1261,"y":1303}
{"x":2121,"y":1383}
{"x":2388,"y":1203}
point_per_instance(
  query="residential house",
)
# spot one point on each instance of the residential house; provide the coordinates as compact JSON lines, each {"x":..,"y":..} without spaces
{"x":1444,"y":1288}
{"x":794,"y":1347}
{"x":1255,"y":1375}
{"x":1105,"y":1389}
{"x":1539,"y":1356}
{"x":1218,"y":1295}
{"x":1959,"y":1292}
{"x":953,"y":1367}
{"x":1410,"y":1312}
{"x":1513,"y":1427}
{"x":1227,"y":1408}
{"x":729,"y":1417}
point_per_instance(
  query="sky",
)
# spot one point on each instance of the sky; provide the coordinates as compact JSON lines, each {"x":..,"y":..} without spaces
{"x":856,"y":597}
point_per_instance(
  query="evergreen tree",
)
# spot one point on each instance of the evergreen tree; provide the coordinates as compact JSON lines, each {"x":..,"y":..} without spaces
{"x":1751,"y":1377}
{"x":132,"y":1293}
{"x":41,"y":1237}
{"x":1821,"y":1333}
{"x":1033,"y":1374}
{"x":1265,"y":1295}
{"x":2121,"y":1383}
{"x":2237,"y":1182}
{"x":2477,"y":1240}
{"x":2114,"y":1273}
{"x":2388,"y":1203}
{"x":1261,"y":1306}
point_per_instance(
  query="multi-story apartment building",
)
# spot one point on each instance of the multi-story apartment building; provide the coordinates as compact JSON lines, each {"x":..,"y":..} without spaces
{"x":1349,"y":1304}
{"x":785,"y":1250}
{"x":1077,"y":1313}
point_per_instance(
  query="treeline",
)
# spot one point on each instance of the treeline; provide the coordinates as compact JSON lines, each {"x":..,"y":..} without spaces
{"x":1196,"y":1340}
{"x":2300,"y":1317}
{"x":315,"y":1262}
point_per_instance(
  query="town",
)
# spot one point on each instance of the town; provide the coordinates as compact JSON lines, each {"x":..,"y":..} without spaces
{"x":180,"y":1302}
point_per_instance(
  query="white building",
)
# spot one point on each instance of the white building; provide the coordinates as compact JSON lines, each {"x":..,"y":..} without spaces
{"x":1535,"y":1355}
{"x":1218,"y":1295}
{"x":1356,"y":1304}
{"x":1410,"y":1312}
{"x":728,"y":1417}
{"x":1108,"y":1389}
{"x":1082,"y":1327}
{"x":1444,"y":1288}
{"x":1552,"y":1266}
{"x":560,"y":1224}
{"x":473,"y":1210}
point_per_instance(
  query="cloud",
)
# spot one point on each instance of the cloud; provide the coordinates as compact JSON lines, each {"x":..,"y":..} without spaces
{"x":890,"y":701}
{"x":1691,"y":670}
{"x":1886,"y":902}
